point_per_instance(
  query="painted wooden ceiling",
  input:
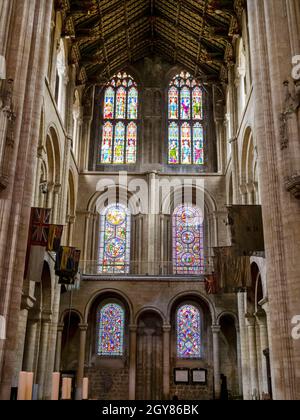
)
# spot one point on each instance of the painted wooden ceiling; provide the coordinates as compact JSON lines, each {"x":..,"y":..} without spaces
{"x":107,"y":35}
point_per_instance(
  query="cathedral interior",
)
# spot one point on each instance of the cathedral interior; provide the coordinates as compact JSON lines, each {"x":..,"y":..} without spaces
{"x":149,"y":199}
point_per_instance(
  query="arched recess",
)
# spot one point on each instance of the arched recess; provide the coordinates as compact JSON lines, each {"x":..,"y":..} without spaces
{"x":229,"y":357}
{"x":149,"y":380}
{"x":202,"y":359}
{"x":104,"y":371}
{"x":70,"y":342}
{"x":249,"y":175}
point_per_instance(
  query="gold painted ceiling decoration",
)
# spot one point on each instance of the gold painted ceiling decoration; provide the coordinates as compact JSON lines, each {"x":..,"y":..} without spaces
{"x":106,"y":35}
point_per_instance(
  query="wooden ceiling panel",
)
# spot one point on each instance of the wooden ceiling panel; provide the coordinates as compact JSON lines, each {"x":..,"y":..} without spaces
{"x":108,"y":34}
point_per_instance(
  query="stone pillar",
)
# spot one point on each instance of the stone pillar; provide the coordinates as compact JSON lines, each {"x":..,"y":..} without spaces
{"x":148,"y":385}
{"x":166,"y":361}
{"x":239,"y":359}
{"x":132,"y":362}
{"x":71,"y":229}
{"x":235,"y":170}
{"x":244,"y":349}
{"x":216,"y":360}
{"x":152,"y":218}
{"x":250,"y":320}
{"x":81,"y":360}
{"x":43,"y":351}
{"x":86,"y":255}
{"x":56,"y":191}
{"x":264,"y":345}
{"x":30,"y":344}
{"x":60,"y":328}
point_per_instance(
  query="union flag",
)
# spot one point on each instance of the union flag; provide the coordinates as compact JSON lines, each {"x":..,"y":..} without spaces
{"x":39,"y":226}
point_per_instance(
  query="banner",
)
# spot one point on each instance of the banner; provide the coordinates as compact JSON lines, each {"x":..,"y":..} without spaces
{"x":54,"y":239}
{"x":211,"y":284}
{"x":246,"y":229}
{"x":39,"y":227}
{"x":233,"y":271}
{"x":67,"y":264}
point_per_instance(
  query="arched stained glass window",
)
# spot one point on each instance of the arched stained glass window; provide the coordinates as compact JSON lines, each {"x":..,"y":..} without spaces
{"x":110,"y":330}
{"x":188,"y":332}
{"x":188,"y":113}
{"x":114,"y":250}
{"x":120,"y":121}
{"x":188,"y":240}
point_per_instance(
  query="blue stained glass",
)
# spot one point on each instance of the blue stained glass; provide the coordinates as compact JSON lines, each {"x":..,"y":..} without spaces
{"x":188,"y":332}
{"x":110,"y":330}
{"x":188,"y":240}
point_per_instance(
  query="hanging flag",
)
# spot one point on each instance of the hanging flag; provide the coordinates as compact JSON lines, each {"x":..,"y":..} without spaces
{"x":67,"y":264}
{"x":211,"y":284}
{"x":38,"y":235}
{"x":54,"y":238}
{"x":39,"y":226}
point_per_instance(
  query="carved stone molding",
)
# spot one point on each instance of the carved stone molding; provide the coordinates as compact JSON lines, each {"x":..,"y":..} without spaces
{"x":292,"y":185}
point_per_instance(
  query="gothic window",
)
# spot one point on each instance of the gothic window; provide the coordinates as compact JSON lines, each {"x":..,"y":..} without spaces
{"x":120,"y":121}
{"x":188,"y":332}
{"x":110,"y":330}
{"x":188,"y":240}
{"x":186,"y":121}
{"x":114,"y":250}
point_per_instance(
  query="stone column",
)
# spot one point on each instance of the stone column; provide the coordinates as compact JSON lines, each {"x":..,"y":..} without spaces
{"x":81,"y":360}
{"x":56,"y":191}
{"x":250,"y":320}
{"x":43,"y":351}
{"x":216,"y":360}
{"x":71,"y":229}
{"x":235,"y":170}
{"x":132,"y":362}
{"x":264,"y":345}
{"x":86,"y":255}
{"x":152,"y":218}
{"x":244,"y":349}
{"x":166,"y":361}
{"x":30,"y":344}
{"x":148,"y":385}
{"x":239,"y":359}
{"x":60,"y":328}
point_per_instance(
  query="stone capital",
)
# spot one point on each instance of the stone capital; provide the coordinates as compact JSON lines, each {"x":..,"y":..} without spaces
{"x":83,"y":327}
{"x":46,"y":317}
{"x":232,"y":140}
{"x":60,"y":327}
{"x":27,"y":302}
{"x":216,"y":329}
{"x":250,"y":318}
{"x":133,"y":328}
{"x":166,"y":328}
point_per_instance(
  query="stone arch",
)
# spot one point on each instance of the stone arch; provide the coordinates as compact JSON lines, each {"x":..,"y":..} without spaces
{"x":109,"y":292}
{"x":66,"y":313}
{"x":149,"y":309}
{"x":191,"y":295}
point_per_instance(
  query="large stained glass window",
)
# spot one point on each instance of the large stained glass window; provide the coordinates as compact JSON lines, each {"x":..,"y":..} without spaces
{"x":186,"y":121}
{"x":188,"y":240}
{"x":114,"y":250}
{"x":110,"y":330}
{"x":120,"y":121}
{"x":188,"y":332}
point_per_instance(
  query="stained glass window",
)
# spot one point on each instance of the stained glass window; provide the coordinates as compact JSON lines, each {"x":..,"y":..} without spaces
{"x":188,"y":332}
{"x":173,"y":143}
{"x":120,"y":121}
{"x":186,"y":143}
{"x":114,"y":250}
{"x":188,"y":240}
{"x":110,"y":330}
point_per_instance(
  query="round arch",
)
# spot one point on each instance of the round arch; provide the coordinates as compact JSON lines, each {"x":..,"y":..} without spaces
{"x":149,"y":309}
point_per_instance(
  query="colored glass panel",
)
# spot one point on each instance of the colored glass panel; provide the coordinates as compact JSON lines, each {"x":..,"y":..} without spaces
{"x":131,"y":143}
{"x":132,"y":104}
{"x":119,"y":143}
{"x":198,"y":137}
{"x":111,"y":323}
{"x":197,"y":104}
{"x":173,"y":143}
{"x":185,"y":103}
{"x":107,"y":138}
{"x":114,"y":251}
{"x":188,"y":241}
{"x":188,"y":332}
{"x":173,"y":103}
{"x":109,"y":103}
{"x":121,"y":103}
{"x":186,"y":144}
